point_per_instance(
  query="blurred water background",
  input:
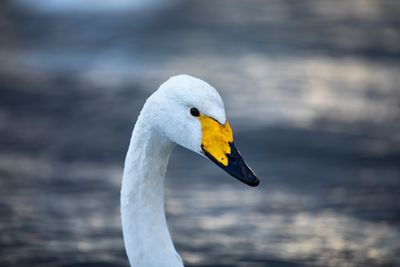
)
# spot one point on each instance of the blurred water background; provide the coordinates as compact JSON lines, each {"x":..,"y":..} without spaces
{"x":312,"y":92}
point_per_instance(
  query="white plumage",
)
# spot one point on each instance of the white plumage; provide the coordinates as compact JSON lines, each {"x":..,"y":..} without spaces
{"x":164,"y":121}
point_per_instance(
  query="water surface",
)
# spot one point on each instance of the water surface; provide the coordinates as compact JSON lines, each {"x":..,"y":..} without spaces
{"x":311,"y":90}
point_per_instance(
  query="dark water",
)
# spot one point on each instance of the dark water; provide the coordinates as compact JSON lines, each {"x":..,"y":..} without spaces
{"x":312,"y":92}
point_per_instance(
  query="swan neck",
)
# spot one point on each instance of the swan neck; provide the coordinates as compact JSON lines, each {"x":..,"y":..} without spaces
{"x":146,"y":236}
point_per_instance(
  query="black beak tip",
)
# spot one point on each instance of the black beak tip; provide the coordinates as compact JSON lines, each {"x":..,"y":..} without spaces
{"x":250,"y":179}
{"x":253,"y":183}
{"x":237,"y":167}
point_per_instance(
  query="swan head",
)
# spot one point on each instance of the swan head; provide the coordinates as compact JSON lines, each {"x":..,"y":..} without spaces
{"x":191,"y":113}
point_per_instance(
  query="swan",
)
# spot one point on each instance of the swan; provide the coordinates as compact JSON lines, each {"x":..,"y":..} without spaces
{"x":184,"y":111}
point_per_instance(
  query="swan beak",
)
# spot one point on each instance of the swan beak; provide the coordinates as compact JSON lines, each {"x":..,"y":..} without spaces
{"x":218,"y":146}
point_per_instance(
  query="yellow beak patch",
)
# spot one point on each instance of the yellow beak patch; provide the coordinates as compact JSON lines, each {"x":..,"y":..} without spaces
{"x":216,"y":138}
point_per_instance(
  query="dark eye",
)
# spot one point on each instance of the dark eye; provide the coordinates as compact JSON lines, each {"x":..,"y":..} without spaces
{"x":195,"y":112}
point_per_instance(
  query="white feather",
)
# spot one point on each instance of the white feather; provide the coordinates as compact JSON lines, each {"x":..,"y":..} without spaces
{"x":164,"y":121}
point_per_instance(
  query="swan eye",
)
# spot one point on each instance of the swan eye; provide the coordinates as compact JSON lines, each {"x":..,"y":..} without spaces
{"x":195,"y":112}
